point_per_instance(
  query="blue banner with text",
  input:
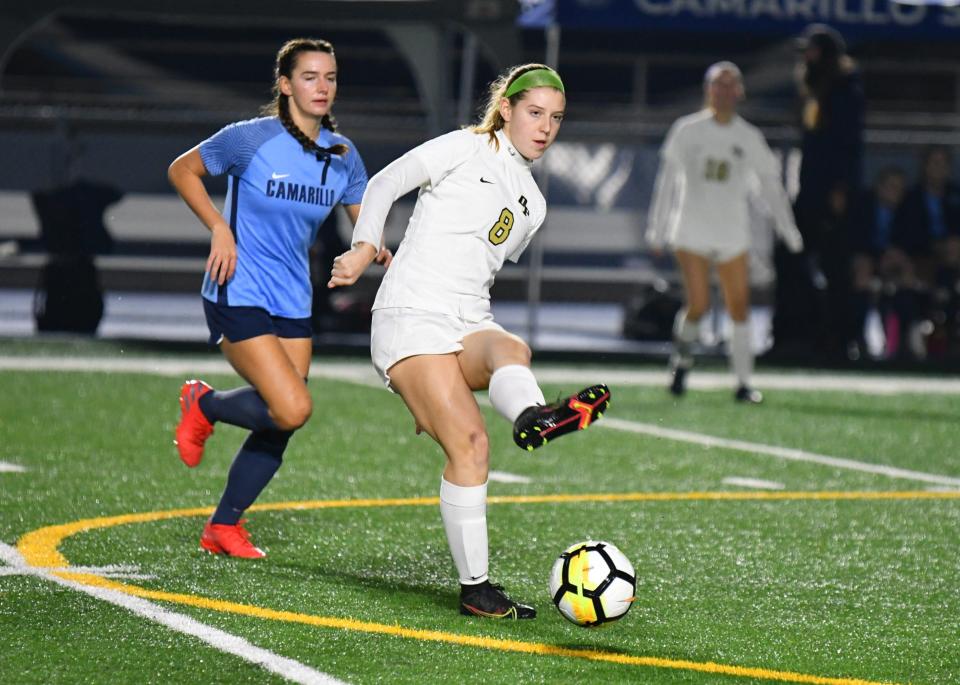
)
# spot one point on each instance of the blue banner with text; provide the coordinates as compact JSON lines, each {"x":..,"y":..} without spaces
{"x":886,"y":19}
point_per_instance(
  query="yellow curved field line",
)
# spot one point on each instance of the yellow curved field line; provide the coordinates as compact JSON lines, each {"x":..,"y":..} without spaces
{"x":40,"y":548}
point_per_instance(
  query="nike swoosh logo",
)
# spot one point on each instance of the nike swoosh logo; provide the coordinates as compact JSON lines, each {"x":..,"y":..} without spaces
{"x":275,"y":176}
{"x":483,"y":180}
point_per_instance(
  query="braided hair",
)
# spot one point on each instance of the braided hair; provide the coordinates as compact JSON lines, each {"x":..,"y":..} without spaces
{"x":280,"y":106}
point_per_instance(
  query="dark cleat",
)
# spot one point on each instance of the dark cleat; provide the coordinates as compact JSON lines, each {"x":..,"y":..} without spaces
{"x":678,"y":385}
{"x":748,"y":395}
{"x":489,"y":601}
{"x":538,"y":424}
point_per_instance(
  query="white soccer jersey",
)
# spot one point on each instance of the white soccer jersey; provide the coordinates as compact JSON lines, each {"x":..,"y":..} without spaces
{"x":477,"y":206}
{"x":707,"y":172}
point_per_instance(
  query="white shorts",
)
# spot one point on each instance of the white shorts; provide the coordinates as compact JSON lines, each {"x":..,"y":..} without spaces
{"x":716,"y":254}
{"x":401,"y":332}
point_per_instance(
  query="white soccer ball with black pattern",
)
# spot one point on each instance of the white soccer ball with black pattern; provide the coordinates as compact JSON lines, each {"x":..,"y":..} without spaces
{"x":592,"y":583}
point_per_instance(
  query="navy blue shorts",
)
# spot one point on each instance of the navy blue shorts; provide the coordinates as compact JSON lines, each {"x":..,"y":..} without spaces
{"x":241,"y":323}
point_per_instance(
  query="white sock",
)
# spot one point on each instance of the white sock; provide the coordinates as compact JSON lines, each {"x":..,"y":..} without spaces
{"x":464,"y":513}
{"x":512,"y":389}
{"x":741,"y":356}
{"x":685,"y":333}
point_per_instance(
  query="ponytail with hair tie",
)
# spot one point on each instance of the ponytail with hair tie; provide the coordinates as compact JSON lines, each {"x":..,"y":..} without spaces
{"x":322,"y":153}
{"x":279,"y":106}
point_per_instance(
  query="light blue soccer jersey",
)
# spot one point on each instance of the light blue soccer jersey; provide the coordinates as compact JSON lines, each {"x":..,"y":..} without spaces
{"x":277,"y":197}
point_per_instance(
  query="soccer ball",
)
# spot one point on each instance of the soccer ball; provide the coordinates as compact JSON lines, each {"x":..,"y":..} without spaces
{"x":592,"y":583}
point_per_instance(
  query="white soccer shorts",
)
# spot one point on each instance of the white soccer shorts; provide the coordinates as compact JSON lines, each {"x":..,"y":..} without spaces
{"x":401,"y":332}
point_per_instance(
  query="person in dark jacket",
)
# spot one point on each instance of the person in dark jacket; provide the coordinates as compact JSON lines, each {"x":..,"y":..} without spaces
{"x":812,"y":292}
{"x":875,"y":268}
{"x":927,"y":227}
{"x":925,"y":243}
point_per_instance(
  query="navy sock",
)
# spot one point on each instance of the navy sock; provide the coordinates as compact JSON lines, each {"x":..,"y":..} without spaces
{"x":239,"y":407}
{"x":253,"y":467}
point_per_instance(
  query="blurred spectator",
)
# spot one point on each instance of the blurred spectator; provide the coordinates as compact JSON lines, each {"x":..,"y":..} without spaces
{"x":871,"y":227}
{"x":925,"y":246}
{"x":812,"y":291}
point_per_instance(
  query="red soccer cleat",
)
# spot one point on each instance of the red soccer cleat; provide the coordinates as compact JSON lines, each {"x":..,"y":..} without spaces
{"x":234,"y":541}
{"x":194,"y":428}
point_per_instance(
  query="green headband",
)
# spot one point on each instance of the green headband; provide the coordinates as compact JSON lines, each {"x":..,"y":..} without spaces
{"x":535,"y":78}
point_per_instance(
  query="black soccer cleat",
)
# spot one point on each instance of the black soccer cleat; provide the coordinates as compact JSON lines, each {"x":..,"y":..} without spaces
{"x":538,"y":424}
{"x":678,"y":384}
{"x":489,"y":601}
{"x":748,"y":395}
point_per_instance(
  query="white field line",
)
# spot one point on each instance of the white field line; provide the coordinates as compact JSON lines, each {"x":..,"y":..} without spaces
{"x":505,"y":477}
{"x":753,"y":483}
{"x":12,"y":571}
{"x":7,"y":467}
{"x":717,"y":380}
{"x":787,"y":453}
{"x":124,"y":571}
{"x":186,"y":367}
{"x":292,"y":670}
{"x":362,"y":372}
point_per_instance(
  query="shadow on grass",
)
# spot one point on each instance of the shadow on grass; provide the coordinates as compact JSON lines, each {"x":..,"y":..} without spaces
{"x":443,"y":599}
{"x":595,"y":647}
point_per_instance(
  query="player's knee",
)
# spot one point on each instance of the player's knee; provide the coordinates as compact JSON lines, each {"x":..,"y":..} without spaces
{"x":522,"y":351}
{"x":294,"y":413}
{"x":738,"y":311}
{"x":479,"y":449}
{"x":514,"y":350}
{"x":469,"y":455}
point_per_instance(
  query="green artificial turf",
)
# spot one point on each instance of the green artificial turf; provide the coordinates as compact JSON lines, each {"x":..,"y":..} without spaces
{"x":825,"y":588}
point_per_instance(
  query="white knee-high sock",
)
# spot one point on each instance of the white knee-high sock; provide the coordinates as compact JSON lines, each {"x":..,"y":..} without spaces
{"x":741,"y":356}
{"x":464,"y":513}
{"x":512,"y":389}
{"x":685,"y":333}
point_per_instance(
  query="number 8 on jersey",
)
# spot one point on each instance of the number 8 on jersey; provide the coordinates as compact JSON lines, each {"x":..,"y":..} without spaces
{"x":501,"y":230}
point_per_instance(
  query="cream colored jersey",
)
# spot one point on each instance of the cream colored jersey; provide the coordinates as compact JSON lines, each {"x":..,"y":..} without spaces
{"x":477,"y":207}
{"x":708,"y":171}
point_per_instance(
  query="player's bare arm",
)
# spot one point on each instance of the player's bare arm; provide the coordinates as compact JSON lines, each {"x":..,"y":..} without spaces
{"x":185,"y":174}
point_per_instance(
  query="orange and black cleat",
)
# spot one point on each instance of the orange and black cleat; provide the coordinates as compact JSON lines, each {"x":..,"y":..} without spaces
{"x":194,"y":428}
{"x":537,"y":425}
